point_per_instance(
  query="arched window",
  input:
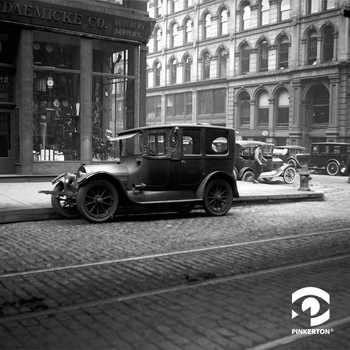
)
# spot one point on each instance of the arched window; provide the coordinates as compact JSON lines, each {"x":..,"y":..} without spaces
{"x":285,"y":10}
{"x":187,"y":65}
{"x":206,"y":26}
{"x":244,"y":108}
{"x":327,"y":44}
{"x":171,"y":4}
{"x":263,"y":109}
{"x":158,"y":40}
{"x":246,"y":17}
{"x":317,"y":99}
{"x":263,"y":53}
{"x":282,"y":117}
{"x":173,"y":35}
{"x":222,"y":63}
{"x":206,"y":65}
{"x":188,"y":31}
{"x":157,"y":72}
{"x":312,"y":47}
{"x":223,"y":29}
{"x":245,"y":58}
{"x":283,"y":53}
{"x":265,"y":12}
{"x":172,"y":71}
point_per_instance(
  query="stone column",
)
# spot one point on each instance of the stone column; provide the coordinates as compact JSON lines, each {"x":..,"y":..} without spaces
{"x":335,"y":48}
{"x":25,"y":103}
{"x":194,"y":106}
{"x":252,"y":114}
{"x":85,"y":99}
{"x":163,"y":109}
{"x":140,"y":115}
{"x":295,"y":124}
{"x":271,"y":121}
{"x":319,"y":49}
{"x":304,"y":51}
{"x":333,"y":101}
{"x":253,"y":61}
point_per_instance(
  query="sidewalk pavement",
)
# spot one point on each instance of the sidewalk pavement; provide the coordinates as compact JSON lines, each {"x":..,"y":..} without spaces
{"x":21,"y":201}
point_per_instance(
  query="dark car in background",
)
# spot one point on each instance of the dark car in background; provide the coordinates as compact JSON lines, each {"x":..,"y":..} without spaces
{"x":167,"y":167}
{"x":288,"y":154}
{"x":328,"y":156}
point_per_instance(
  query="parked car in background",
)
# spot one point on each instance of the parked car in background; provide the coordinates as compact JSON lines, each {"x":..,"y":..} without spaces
{"x":247,"y":168}
{"x":166,"y":167}
{"x":328,"y":156}
{"x":288,"y":154}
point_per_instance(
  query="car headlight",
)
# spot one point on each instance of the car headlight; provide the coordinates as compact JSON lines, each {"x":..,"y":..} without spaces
{"x":70,"y":178}
{"x":81,"y":172}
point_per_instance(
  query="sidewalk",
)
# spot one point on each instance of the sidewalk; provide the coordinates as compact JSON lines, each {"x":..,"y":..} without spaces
{"x":20,"y":201}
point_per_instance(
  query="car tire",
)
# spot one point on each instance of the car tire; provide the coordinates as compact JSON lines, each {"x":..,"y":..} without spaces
{"x":218,"y":196}
{"x":289,"y":175}
{"x":98,"y":200}
{"x":62,"y":206}
{"x":332,"y":168}
{"x":248,"y":176}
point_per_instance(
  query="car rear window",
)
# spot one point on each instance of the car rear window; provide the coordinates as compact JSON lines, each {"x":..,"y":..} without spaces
{"x":216,"y":142}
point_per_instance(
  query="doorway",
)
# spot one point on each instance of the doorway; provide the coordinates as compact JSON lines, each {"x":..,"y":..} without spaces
{"x":7,"y":142}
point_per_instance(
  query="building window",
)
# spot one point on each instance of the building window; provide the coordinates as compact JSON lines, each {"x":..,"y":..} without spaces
{"x":212,"y":101}
{"x":246,"y":17}
{"x":206,"y":65}
{"x":188,"y":31}
{"x":263,"y":109}
{"x":113,"y":95}
{"x":179,"y":107}
{"x":223,"y":28}
{"x":158,"y":4}
{"x":263,"y":53}
{"x":158,"y":40}
{"x":222,"y":63}
{"x":187,"y":63}
{"x":312,"y":47}
{"x":244,"y":108}
{"x":283,"y":53}
{"x":317,"y":100}
{"x":206,"y":26}
{"x":313,"y":6}
{"x":171,"y":4}
{"x":285,"y":10}
{"x":173,"y":35}
{"x":157,"y":72}
{"x":56,"y":118}
{"x":327,"y":44}
{"x":172,"y":71}
{"x":265,"y":12}
{"x":283,"y":108}
{"x":245,"y":58}
{"x":153,"y":110}
{"x":328,"y":4}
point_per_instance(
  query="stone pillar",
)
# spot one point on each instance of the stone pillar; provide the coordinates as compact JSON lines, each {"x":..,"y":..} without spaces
{"x":163,"y":109}
{"x":194,"y":106}
{"x":25,"y":103}
{"x":333,"y":101}
{"x":252,"y":115}
{"x":85,"y":100}
{"x":335,"y":48}
{"x":304,"y":51}
{"x":253,"y":61}
{"x":271,"y":121}
{"x":272,"y":57}
{"x":319,"y":49}
{"x":140,"y":115}
{"x":295,"y":127}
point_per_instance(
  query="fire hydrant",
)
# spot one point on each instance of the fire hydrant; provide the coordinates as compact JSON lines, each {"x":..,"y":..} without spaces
{"x":304,"y":178}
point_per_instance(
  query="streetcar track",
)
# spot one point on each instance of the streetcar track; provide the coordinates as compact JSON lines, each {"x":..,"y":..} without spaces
{"x":173,"y":289}
{"x":170,"y":254}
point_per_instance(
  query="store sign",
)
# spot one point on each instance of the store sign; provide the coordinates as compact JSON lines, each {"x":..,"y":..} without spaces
{"x":47,"y":15}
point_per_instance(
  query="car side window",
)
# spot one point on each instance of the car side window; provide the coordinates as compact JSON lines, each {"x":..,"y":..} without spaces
{"x":191,"y":142}
{"x":156,"y":145}
{"x":216,"y":142}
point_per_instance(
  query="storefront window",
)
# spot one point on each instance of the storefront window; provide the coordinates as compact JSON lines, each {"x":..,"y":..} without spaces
{"x":113,"y":94}
{"x":56,"y":119}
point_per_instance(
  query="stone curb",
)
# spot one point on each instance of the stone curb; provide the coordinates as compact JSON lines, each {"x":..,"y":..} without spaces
{"x":39,"y":214}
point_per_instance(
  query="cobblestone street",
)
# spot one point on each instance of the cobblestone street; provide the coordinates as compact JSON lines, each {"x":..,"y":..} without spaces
{"x":165,"y":281}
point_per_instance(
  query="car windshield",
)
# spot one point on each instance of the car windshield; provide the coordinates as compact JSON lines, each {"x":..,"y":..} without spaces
{"x":280,"y":151}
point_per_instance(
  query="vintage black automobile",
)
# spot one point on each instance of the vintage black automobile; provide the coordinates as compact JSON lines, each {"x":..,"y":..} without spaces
{"x":328,"y":156}
{"x":288,"y":154}
{"x":248,"y":169}
{"x":177,"y":166}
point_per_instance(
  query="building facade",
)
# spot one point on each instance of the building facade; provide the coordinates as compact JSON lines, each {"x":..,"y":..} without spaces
{"x":275,"y":70}
{"x":70,"y":71}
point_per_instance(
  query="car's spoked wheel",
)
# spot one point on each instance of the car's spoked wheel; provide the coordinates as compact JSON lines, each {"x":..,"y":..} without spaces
{"x":63,"y":205}
{"x":248,"y":176}
{"x":332,"y":168}
{"x":98,"y":200}
{"x":289,"y":175}
{"x":218,"y":197}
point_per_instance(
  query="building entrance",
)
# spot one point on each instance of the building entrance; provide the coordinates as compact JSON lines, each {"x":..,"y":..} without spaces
{"x":7,"y":147}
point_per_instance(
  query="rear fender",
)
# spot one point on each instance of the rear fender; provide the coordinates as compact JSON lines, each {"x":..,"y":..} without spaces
{"x":217,"y":175}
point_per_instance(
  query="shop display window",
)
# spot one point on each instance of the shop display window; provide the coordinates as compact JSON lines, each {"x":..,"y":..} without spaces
{"x":112,"y":95}
{"x":56,"y":116}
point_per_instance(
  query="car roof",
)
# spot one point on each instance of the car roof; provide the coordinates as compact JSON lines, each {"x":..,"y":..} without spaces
{"x":332,"y":143}
{"x":248,"y":143}
{"x":168,"y":126}
{"x":291,"y":147}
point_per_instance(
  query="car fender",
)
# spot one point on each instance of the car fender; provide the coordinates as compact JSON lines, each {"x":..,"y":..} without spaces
{"x":334,"y":160}
{"x":106,"y":176}
{"x":295,"y":159}
{"x":243,"y":170}
{"x":217,"y":175}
